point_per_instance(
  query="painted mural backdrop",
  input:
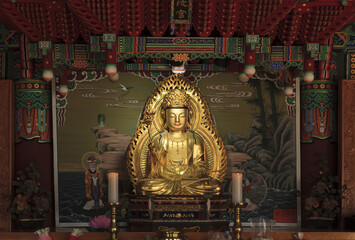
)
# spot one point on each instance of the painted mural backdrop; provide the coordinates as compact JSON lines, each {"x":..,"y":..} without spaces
{"x":97,"y":119}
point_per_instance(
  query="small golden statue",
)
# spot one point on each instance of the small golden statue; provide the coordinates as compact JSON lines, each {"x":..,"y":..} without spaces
{"x":176,"y":149}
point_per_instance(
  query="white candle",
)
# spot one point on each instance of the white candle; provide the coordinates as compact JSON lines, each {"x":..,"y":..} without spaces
{"x":113,"y":187}
{"x":237,"y":187}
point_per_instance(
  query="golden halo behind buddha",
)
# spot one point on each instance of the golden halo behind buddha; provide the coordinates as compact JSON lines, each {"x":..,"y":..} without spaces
{"x":175,"y":92}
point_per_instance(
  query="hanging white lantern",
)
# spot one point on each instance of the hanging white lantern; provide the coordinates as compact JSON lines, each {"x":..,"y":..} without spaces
{"x":308,"y":69}
{"x":243,"y":78}
{"x":47,"y":75}
{"x":63,"y":90}
{"x":249,"y":62}
{"x":114,"y":78}
{"x":249,"y":70}
{"x":288,"y":91}
{"x":308,"y":76}
{"x":111,"y":69}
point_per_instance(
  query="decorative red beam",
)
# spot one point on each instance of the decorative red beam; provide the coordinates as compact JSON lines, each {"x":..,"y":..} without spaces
{"x":21,"y":22}
{"x":84,"y":13}
{"x":275,"y":17}
{"x":347,"y":17}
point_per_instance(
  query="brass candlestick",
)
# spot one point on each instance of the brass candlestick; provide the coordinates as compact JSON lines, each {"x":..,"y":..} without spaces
{"x":237,"y":227}
{"x":113,"y":227}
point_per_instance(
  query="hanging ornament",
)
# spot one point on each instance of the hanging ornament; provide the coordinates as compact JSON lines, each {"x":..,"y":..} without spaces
{"x":249,"y":70}
{"x":308,"y":68}
{"x":249,"y":61}
{"x":63,"y":85}
{"x":47,"y":75}
{"x":111,"y":61}
{"x":288,"y":83}
{"x":288,"y":91}
{"x":111,"y":69}
{"x":114,"y":78}
{"x":47,"y":66}
{"x":243,"y":78}
{"x":63,"y":90}
{"x":308,"y":77}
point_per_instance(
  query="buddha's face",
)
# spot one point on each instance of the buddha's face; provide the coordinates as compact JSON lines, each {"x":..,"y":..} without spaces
{"x":176,"y":118}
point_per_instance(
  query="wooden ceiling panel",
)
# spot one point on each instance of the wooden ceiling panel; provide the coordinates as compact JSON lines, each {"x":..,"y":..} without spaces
{"x":22,"y":23}
{"x":89,"y":16}
{"x":227,"y":17}
{"x":157,"y":17}
{"x":204,"y":17}
{"x":291,"y":21}
{"x":274,"y":17}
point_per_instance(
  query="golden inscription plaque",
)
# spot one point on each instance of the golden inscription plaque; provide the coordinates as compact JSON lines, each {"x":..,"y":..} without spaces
{"x":176,"y":149}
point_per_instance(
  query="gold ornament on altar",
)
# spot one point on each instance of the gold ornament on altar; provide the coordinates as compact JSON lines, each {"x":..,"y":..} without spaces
{"x":176,"y":149}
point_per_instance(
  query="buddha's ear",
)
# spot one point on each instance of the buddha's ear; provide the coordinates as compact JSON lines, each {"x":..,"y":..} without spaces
{"x":189,"y":117}
{"x":163,"y":117}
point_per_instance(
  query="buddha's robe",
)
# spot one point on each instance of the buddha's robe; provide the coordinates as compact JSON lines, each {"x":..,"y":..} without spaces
{"x":177,"y":167}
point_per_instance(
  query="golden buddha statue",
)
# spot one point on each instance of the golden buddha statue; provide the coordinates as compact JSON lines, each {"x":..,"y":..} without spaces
{"x":176,"y":149}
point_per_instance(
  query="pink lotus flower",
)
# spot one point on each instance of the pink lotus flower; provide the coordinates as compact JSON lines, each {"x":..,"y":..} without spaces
{"x":100,"y":222}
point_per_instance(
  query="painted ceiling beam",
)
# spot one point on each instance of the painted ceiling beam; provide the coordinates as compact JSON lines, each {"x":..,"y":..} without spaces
{"x":275,"y":17}
{"x":21,"y":22}
{"x":87,"y":16}
{"x":346,"y":18}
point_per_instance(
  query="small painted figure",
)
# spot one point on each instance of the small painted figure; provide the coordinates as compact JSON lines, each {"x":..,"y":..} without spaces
{"x":94,"y":190}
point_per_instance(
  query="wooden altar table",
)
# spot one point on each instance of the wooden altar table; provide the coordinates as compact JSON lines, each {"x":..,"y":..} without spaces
{"x":191,"y":236}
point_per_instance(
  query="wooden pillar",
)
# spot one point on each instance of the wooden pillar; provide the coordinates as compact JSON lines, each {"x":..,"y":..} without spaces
{"x":33,"y":132}
{"x":6,"y":151}
{"x":347,"y":144}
